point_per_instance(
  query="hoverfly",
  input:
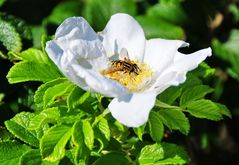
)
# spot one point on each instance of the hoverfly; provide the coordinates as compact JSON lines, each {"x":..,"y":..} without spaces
{"x":123,"y":64}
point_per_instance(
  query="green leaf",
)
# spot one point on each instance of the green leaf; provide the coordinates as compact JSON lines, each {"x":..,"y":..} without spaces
{"x":204,"y":70}
{"x":37,"y":32}
{"x":1,"y":97}
{"x":18,"y":126}
{"x":191,"y":81}
{"x":151,"y":154}
{"x":156,"y":128}
{"x":175,"y":119}
{"x":194,"y":93}
{"x":53,"y":142}
{"x":168,"y":11}
{"x":170,"y":95}
{"x":204,"y":109}
{"x":5,"y":135}
{"x":36,"y":66}
{"x":165,"y":105}
{"x":64,"y":10}
{"x":2,"y":2}
{"x":112,"y":158}
{"x":102,"y":132}
{"x":11,"y":151}
{"x":57,"y":91}
{"x":235,"y":11}
{"x":88,"y":134}
{"x":139,"y":131}
{"x":98,"y":12}
{"x":229,"y":51}
{"x":164,"y":153}
{"x":104,"y":128}
{"x":32,"y":71}
{"x":33,"y":157}
{"x":39,"y":94}
{"x":20,"y":25}
{"x":46,"y":116}
{"x":157,"y":28}
{"x":9,"y":37}
{"x":224,"y":110}
{"x":100,"y":137}
{"x":33,"y":54}
{"x":76,"y":97}
{"x":81,"y":152}
{"x":77,"y":135}
{"x":173,"y":154}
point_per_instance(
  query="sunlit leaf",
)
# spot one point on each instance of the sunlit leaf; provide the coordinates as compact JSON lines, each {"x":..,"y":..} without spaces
{"x":151,"y":154}
{"x":194,"y":93}
{"x":170,"y":95}
{"x":52,"y":144}
{"x":88,"y":134}
{"x":204,"y":109}
{"x":33,"y":157}
{"x":112,"y":158}
{"x":156,"y":128}
{"x":164,"y":153}
{"x":19,"y":127}
{"x":175,"y":119}
{"x":47,"y":115}
{"x":11,"y":151}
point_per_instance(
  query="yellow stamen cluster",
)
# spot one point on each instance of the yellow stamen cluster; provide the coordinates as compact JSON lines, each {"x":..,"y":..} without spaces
{"x":134,"y":82}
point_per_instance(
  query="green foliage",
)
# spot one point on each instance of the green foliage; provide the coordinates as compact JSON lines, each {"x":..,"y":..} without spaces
{"x":112,"y":158}
{"x":169,"y":11}
{"x":13,"y":31}
{"x":235,"y":11}
{"x":2,"y":2}
{"x":204,"y":109}
{"x":11,"y":151}
{"x":9,"y":37}
{"x":229,"y":52}
{"x":67,"y":125}
{"x":35,"y":66}
{"x":53,"y":142}
{"x":156,"y":28}
{"x":164,"y":153}
{"x":194,"y":93}
{"x":175,"y":119}
{"x":18,"y":127}
{"x":64,"y":10}
{"x":156,"y":127}
{"x":98,"y":12}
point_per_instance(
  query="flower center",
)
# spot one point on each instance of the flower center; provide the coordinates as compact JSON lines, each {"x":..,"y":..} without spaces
{"x":131,"y":74}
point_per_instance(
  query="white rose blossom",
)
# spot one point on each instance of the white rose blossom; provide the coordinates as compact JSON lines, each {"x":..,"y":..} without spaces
{"x":93,"y":62}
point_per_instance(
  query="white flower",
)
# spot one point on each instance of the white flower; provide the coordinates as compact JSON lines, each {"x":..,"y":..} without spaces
{"x":85,"y":58}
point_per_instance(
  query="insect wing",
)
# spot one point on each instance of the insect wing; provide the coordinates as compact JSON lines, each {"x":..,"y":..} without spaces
{"x":124,"y":54}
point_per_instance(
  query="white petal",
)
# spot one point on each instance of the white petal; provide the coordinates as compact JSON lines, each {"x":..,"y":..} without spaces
{"x":98,"y":83}
{"x":165,"y":81}
{"x":76,"y":28}
{"x":56,"y":54}
{"x":159,"y":53}
{"x":176,"y":72}
{"x":132,"y":110}
{"x":84,"y":72}
{"x":189,"y":62}
{"x":123,"y":31}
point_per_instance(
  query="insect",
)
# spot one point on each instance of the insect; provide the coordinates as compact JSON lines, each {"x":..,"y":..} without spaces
{"x":124,"y":64}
